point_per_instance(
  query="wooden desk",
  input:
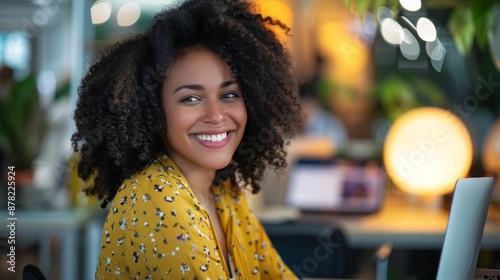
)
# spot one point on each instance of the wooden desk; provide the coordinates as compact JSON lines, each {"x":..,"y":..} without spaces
{"x":405,"y":224}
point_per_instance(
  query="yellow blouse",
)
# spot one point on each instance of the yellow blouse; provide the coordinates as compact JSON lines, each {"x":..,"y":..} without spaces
{"x":157,"y":229}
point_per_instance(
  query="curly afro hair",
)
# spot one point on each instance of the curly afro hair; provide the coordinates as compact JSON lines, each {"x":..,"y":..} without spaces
{"x":119,"y":120}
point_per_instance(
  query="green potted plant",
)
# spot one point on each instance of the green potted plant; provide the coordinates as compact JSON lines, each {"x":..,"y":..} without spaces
{"x":398,"y":93}
{"x":22,"y":124}
{"x":469,"y":21}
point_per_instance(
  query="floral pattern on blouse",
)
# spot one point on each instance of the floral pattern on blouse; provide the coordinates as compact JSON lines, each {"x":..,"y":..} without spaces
{"x":157,"y":229}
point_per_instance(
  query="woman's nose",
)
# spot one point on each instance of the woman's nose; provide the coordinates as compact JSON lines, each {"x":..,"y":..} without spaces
{"x":214,"y":112}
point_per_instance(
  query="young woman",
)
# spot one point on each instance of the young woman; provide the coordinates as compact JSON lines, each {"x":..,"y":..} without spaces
{"x":172,"y":127}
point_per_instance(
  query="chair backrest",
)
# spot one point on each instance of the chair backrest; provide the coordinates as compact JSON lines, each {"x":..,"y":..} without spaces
{"x":462,"y":241}
{"x":32,"y":272}
{"x":311,"y":250}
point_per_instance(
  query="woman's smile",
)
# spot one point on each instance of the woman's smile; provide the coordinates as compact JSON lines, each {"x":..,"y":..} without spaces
{"x":212,"y":137}
{"x":213,"y":140}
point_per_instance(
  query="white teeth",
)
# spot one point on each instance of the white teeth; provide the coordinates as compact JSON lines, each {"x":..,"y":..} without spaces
{"x":213,"y":137}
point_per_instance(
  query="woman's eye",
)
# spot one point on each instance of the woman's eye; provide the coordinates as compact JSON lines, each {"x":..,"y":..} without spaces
{"x":189,"y":99}
{"x":230,"y":95}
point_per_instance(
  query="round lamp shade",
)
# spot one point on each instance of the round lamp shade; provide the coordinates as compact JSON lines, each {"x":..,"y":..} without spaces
{"x":491,"y":149}
{"x":426,"y":150}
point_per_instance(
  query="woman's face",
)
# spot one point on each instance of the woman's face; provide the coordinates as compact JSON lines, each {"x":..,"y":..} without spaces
{"x":205,"y":111}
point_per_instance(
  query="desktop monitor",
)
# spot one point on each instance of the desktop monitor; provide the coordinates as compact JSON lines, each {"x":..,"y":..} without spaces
{"x":336,"y":185}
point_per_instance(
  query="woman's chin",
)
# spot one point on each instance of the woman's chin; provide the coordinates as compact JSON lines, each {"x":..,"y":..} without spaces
{"x":220,"y":165}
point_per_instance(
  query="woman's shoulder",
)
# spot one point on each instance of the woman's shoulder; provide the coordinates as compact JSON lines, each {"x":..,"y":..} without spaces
{"x":160,"y":184}
{"x":161,"y":167}
{"x":161,"y":174}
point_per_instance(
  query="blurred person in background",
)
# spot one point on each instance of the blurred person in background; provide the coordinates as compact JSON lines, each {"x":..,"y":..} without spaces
{"x":324,"y":135}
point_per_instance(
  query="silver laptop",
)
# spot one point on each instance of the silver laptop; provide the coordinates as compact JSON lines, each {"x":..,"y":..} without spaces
{"x":462,"y":241}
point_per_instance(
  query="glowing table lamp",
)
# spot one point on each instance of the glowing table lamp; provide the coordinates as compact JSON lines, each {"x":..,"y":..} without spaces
{"x":426,"y":150}
{"x":491,"y":150}
{"x":491,"y":158}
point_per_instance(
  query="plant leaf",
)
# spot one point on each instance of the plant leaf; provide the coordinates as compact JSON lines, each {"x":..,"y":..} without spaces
{"x":22,"y":122}
{"x":377,"y":4}
{"x":347,"y":4}
{"x":461,"y":27}
{"x":482,"y":14}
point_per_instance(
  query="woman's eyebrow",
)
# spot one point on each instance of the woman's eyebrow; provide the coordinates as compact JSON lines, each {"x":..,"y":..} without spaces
{"x":200,"y":87}
{"x":228,"y":83}
{"x":189,"y":86}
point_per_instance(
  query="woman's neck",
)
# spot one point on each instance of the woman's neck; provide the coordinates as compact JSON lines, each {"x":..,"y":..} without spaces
{"x":199,"y":179}
{"x":200,"y":182}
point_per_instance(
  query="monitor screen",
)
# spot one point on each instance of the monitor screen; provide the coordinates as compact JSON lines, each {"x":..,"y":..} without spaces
{"x":338,"y":185}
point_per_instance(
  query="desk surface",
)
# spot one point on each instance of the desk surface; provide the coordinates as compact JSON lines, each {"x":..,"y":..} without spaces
{"x":51,"y":220}
{"x":405,"y":224}
{"x":67,"y":225}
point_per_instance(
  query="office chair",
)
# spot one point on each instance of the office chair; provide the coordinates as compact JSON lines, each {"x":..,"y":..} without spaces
{"x":310,"y":250}
{"x":32,"y":272}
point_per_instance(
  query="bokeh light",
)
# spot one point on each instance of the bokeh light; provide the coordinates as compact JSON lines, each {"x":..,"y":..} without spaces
{"x":426,"y":29}
{"x":46,"y":85}
{"x":409,"y":46}
{"x":411,"y":5}
{"x":100,"y":12}
{"x":392,"y":32}
{"x":128,"y":14}
{"x":384,"y":13}
{"x":426,"y":150}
